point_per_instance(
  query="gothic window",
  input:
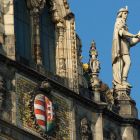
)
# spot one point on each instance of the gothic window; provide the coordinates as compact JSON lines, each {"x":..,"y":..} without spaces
{"x":47,"y":40}
{"x":22,"y":31}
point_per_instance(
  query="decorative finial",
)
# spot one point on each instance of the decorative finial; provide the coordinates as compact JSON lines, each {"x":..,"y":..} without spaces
{"x":94,"y":63}
{"x":93,"y":50}
{"x":93,"y":44}
{"x":126,"y":7}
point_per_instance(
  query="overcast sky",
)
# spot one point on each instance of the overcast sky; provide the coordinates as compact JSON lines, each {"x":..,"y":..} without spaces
{"x":95,"y":20}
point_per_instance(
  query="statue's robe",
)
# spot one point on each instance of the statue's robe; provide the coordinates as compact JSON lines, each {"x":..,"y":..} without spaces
{"x":120,"y":47}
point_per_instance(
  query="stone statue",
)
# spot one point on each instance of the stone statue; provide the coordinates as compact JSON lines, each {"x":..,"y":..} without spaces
{"x":94,"y":62}
{"x":122,"y":42}
{"x":85,"y":130}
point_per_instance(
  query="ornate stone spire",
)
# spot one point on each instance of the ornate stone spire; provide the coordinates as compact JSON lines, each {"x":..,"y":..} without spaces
{"x":94,"y":66}
{"x":94,"y":62}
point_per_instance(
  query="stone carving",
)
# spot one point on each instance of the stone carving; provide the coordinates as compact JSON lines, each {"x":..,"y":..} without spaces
{"x":94,"y":62}
{"x":85,"y":130}
{"x":45,"y":85}
{"x":6,"y":5}
{"x":63,"y":118}
{"x":62,"y":64}
{"x":27,"y":91}
{"x":24,"y":89}
{"x":122,"y":41}
{"x":107,"y":95}
{"x":36,"y":5}
{"x":60,"y":53}
{"x":55,"y":13}
{"x":110,"y":98}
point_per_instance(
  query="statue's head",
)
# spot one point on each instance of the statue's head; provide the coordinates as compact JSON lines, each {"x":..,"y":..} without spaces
{"x":123,"y":12}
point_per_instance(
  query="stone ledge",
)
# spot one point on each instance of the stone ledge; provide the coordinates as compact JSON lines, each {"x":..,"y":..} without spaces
{"x":121,"y":120}
{"x":99,"y":107}
{"x":55,"y":85}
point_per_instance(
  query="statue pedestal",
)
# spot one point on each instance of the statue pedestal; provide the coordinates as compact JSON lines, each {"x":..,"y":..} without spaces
{"x":126,"y":106}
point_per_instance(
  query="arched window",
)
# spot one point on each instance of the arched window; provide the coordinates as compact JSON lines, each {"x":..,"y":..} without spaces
{"x":47,"y":40}
{"x":22,"y":31}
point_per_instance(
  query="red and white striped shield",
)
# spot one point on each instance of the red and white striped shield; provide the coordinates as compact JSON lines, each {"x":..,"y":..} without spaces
{"x":44,"y":112}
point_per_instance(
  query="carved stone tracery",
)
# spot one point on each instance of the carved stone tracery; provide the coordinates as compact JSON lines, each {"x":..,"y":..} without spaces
{"x":65,"y":25}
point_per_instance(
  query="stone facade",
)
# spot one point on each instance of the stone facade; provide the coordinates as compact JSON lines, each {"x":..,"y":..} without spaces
{"x":73,"y":104}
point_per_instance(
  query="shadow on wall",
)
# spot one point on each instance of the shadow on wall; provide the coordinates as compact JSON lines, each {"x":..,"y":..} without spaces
{"x":2,"y":51}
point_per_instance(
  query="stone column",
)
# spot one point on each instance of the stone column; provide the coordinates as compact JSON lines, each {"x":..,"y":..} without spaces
{"x":128,"y":133}
{"x":36,"y":40}
{"x":61,"y":61}
{"x":98,"y":128}
{"x":95,"y":84}
{"x":36,"y":6}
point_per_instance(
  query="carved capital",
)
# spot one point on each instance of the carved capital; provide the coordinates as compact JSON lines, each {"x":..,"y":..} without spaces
{"x":46,"y":86}
{"x":36,"y":5}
